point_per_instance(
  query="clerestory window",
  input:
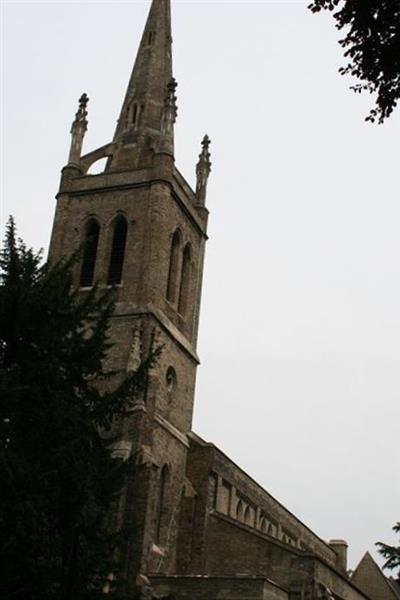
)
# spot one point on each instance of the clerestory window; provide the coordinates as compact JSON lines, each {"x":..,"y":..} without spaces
{"x":240,"y":511}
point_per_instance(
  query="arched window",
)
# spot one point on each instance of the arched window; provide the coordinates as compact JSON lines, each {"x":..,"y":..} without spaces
{"x":247,"y":516}
{"x":117,"y":251}
{"x":160,"y":502}
{"x":239,"y":511}
{"x":185,"y":280}
{"x":173,"y":267}
{"x":263,"y":525}
{"x":89,"y":253}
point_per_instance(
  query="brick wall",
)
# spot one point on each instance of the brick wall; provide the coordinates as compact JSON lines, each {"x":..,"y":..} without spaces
{"x":241,"y":498}
{"x":234,"y":549}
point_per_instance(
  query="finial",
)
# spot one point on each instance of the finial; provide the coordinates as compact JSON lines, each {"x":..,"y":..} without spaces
{"x":83,"y":100}
{"x":81,"y":114}
{"x":170,"y":108}
{"x":170,"y":113}
{"x":205,"y":153}
{"x":78,"y":130}
{"x":203,"y":170}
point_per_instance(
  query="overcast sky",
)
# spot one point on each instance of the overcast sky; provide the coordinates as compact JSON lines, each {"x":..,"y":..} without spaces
{"x":300,"y":325}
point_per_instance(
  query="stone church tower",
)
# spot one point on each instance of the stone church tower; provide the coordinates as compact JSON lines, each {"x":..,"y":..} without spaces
{"x":143,"y":231}
{"x":199,"y":526}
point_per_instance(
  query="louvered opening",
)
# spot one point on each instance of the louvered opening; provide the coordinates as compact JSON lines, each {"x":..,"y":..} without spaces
{"x":117,"y":252}
{"x":89,"y":254}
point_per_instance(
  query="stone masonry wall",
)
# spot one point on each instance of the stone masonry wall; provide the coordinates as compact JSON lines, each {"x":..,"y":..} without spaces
{"x":234,"y":549}
{"x":222,"y":486}
{"x":218,"y":588}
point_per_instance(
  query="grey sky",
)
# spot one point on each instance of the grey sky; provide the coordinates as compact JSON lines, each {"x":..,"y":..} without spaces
{"x":300,"y":327}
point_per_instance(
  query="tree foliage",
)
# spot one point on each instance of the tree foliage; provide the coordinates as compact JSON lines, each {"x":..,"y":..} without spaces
{"x":391,"y":553}
{"x":372,"y":48}
{"x":58,"y":476}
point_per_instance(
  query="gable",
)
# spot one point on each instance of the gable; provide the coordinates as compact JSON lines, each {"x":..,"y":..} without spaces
{"x":370,"y":579}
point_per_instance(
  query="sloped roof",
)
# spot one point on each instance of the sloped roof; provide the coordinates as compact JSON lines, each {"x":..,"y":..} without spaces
{"x":370,"y":578}
{"x":395,"y":586}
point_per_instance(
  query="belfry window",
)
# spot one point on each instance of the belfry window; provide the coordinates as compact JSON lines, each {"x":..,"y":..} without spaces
{"x":185,"y":280}
{"x":174,"y":267}
{"x":117,"y":252}
{"x":89,"y":253}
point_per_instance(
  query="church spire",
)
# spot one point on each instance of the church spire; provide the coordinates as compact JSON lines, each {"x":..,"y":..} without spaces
{"x":142,"y":118}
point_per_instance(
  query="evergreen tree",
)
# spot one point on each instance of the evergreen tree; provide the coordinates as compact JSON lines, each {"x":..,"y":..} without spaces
{"x":58,"y":477}
{"x":391,"y":553}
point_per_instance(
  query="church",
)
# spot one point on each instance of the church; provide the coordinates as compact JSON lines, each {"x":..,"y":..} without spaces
{"x":202,"y":529}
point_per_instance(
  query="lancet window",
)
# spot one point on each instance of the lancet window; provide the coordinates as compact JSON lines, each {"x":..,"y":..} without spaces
{"x":91,"y":242}
{"x":185,"y":280}
{"x":247,"y":516}
{"x":264,"y":525}
{"x":173,"y":273}
{"x":240,"y":511}
{"x":117,"y":251}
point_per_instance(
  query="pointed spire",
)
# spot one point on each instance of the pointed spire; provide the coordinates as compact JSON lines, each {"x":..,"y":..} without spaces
{"x":142,"y":115}
{"x":78,"y":130}
{"x":203,"y":170}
